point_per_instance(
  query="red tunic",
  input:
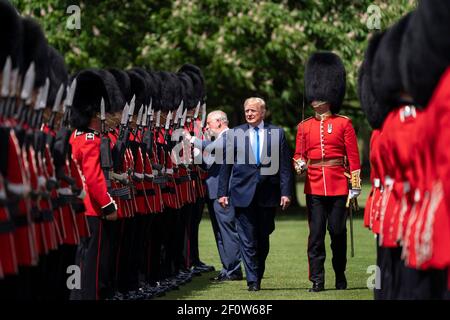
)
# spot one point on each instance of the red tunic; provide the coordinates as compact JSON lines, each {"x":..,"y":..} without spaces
{"x":428,"y":230}
{"x":86,"y":153}
{"x":331,"y":138}
{"x":372,"y":203}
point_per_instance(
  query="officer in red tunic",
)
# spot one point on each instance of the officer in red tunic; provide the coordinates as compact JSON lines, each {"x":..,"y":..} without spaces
{"x":326,"y":147}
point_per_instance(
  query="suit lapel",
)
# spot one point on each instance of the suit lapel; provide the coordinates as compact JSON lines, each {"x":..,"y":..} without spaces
{"x":249,"y":154}
{"x":266,"y":150}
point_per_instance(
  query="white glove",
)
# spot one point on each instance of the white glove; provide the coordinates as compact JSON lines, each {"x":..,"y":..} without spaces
{"x":354,"y":193}
{"x":300,"y":166}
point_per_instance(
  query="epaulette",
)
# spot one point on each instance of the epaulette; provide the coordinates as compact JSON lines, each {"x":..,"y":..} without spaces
{"x":345,"y":117}
{"x":306,"y":119}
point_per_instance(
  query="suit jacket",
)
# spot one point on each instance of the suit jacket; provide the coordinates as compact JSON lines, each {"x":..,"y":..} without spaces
{"x":268,"y":181}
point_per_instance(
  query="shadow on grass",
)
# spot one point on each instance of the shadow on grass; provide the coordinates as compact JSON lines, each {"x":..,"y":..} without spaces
{"x":198,"y":283}
{"x":307,"y":288}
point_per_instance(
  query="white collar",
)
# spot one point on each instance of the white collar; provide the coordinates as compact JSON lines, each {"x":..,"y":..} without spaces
{"x":260,"y":125}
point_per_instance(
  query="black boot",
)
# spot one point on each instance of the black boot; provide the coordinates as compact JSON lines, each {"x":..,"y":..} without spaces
{"x":341,"y":281}
{"x":317,"y":287}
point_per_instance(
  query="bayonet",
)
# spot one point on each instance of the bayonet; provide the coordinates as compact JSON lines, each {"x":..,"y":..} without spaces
{"x":44,"y":97}
{"x":203,"y":114}
{"x":102,"y":110}
{"x":56,"y":106}
{"x":139,"y":117}
{"x":131,"y":109}
{"x":28,"y":84}
{"x":179,"y":113}
{"x":183,"y":118}
{"x":6,"y":78}
{"x":42,"y":104}
{"x":71,"y":94}
{"x":145,"y":117}
{"x":197,"y":109}
{"x":168,"y":118}
{"x":124,"y":119}
{"x":103,"y":115}
{"x":14,"y":82}
{"x":158,"y":119}
{"x":68,"y":102}
{"x":58,"y":99}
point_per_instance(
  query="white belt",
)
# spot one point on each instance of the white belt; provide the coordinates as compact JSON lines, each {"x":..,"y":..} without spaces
{"x":18,"y":188}
{"x":406,"y":187}
{"x":65,"y":191}
{"x":376,"y":183}
{"x":388,"y":181}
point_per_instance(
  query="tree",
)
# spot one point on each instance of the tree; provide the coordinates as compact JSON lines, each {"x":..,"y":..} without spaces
{"x":244,"y":47}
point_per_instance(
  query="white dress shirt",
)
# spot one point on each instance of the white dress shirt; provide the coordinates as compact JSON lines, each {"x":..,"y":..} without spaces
{"x":261,"y":137}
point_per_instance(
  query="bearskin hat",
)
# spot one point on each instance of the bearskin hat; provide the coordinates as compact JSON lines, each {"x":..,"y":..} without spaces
{"x":35,"y":49}
{"x":198,"y":81}
{"x":123,"y":81}
{"x":58,"y":74}
{"x":10,"y":34}
{"x":386,"y":79}
{"x":92,"y":86}
{"x":155,"y":88}
{"x":373,"y":110}
{"x":138,"y":88}
{"x":170,"y":91}
{"x":424,"y":54}
{"x":325,"y":79}
{"x":187,"y":89}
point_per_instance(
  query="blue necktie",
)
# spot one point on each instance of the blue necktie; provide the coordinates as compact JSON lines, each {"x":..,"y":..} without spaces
{"x":256,"y":150}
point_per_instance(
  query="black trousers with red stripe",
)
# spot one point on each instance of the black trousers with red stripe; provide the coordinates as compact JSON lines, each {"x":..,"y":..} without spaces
{"x":326,"y":212}
{"x":94,"y":259}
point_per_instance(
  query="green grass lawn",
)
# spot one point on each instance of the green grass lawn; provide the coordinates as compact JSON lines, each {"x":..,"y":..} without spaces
{"x":286,"y":274}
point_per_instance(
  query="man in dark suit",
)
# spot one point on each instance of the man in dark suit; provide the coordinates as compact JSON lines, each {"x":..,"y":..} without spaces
{"x":258,"y":162}
{"x":222,"y":219}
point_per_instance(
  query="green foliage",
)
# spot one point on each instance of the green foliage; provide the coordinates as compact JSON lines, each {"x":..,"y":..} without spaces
{"x":244,"y":47}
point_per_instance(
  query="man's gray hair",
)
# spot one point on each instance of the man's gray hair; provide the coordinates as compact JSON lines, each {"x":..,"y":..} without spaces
{"x":220,"y":115}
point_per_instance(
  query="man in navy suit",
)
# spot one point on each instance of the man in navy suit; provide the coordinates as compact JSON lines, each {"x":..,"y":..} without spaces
{"x":258,"y":162}
{"x":222,"y":219}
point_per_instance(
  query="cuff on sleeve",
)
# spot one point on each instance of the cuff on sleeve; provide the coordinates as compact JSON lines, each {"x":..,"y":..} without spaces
{"x":109,"y":208}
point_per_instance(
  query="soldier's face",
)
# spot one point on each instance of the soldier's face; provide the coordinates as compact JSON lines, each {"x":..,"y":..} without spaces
{"x":320,"y":106}
{"x":254,"y":114}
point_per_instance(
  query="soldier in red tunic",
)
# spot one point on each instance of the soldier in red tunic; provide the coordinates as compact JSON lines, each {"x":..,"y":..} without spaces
{"x":92,"y":255}
{"x":326,"y":145}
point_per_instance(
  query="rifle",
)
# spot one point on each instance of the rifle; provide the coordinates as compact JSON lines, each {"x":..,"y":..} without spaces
{"x":61,"y":146}
{"x":105,"y":146}
{"x":4,"y":93}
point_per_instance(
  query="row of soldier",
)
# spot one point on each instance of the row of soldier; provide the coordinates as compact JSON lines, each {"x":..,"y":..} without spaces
{"x":89,"y":183}
{"x":404,"y":87}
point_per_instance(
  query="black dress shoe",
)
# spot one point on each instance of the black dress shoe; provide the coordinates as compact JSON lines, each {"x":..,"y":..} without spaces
{"x":317,"y":287}
{"x":219,"y":277}
{"x":341,"y":282}
{"x":254,"y":287}
{"x":235,"y":277}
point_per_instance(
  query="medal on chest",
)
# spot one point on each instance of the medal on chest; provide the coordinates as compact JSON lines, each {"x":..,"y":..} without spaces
{"x":330,"y":128}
